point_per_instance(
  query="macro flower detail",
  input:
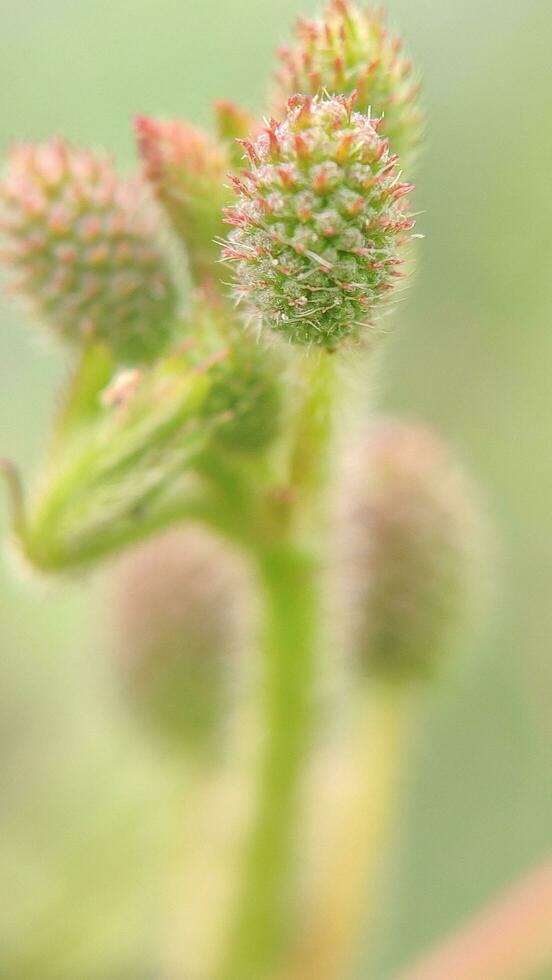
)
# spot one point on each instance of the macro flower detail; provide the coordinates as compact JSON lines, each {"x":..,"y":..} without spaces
{"x":298,"y":569}
{"x":412,"y":544}
{"x":350,"y":49}
{"x":318,"y":224}
{"x":187,"y":169}
{"x":83,"y":244}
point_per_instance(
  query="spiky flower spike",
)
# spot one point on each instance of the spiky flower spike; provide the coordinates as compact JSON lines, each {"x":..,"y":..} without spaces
{"x":348,"y":49}
{"x":187,"y":169}
{"x":412,"y":546}
{"x":179,"y":619}
{"x":82,"y":242}
{"x":318,"y":224}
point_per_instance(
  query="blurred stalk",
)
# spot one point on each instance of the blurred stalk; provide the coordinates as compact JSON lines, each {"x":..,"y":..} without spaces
{"x":288,"y":575}
{"x":264,"y":901}
{"x":346,"y":899}
{"x":511,"y":940}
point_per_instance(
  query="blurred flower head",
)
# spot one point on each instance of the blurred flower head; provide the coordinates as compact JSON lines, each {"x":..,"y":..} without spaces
{"x":187,"y":169}
{"x":179,"y":611}
{"x":84,"y":245}
{"x":412,"y":542}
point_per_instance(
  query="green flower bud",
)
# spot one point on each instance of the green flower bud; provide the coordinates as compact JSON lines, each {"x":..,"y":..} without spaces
{"x":411,"y":543}
{"x":244,"y":400}
{"x":179,"y":626}
{"x":187,"y":169}
{"x":349,"y":49}
{"x":245,"y":397}
{"x":318,"y":224}
{"x":82,"y":242}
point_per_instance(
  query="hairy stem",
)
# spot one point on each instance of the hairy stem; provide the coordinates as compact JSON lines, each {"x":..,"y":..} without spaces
{"x":264,"y":901}
{"x":313,"y":425}
{"x":288,"y":575}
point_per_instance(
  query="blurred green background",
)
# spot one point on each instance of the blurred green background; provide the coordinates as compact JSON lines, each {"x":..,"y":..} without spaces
{"x":84,"y":797}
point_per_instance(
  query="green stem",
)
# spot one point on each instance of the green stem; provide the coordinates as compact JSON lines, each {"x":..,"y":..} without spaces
{"x":312,"y":425}
{"x":288,"y":573}
{"x":264,"y":903}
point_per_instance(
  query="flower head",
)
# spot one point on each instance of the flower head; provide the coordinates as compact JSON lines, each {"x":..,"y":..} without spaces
{"x":320,"y":216}
{"x":83,"y":243}
{"x":350,"y":49}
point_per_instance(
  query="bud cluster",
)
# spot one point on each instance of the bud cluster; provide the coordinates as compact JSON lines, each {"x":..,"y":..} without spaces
{"x":319,"y":220}
{"x":83,"y":243}
{"x":350,"y":49}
